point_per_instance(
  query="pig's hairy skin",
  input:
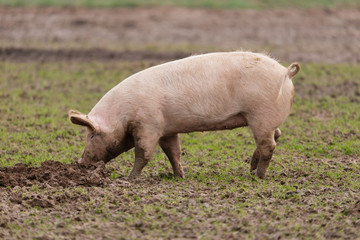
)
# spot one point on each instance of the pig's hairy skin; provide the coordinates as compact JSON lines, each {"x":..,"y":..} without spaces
{"x":215,"y":91}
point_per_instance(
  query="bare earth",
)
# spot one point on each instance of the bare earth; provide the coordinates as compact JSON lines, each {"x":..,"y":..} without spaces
{"x":54,"y":174}
{"x":290,"y":35}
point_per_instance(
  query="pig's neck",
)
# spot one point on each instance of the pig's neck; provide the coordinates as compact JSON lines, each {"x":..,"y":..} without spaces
{"x":106,"y":113}
{"x":106,"y":122}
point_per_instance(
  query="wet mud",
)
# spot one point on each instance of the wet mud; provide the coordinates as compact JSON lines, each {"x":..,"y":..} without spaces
{"x":54,"y":174}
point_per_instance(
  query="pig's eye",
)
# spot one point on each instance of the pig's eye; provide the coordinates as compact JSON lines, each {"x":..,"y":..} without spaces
{"x":92,"y":136}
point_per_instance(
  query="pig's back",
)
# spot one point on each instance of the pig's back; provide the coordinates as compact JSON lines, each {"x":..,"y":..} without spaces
{"x":210,"y":87}
{"x":210,"y":79}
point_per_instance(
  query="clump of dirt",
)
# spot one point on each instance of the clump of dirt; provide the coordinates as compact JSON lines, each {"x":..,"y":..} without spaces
{"x":52,"y":173}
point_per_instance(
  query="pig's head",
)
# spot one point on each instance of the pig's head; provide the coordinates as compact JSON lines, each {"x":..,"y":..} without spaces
{"x":99,"y":145}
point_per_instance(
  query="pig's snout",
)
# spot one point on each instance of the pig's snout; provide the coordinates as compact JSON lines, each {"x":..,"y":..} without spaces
{"x":82,"y":161}
{"x":86,"y":161}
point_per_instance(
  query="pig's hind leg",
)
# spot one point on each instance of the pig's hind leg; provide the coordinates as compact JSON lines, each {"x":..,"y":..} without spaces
{"x":256,"y":156}
{"x":145,"y":142}
{"x":171,"y":146}
{"x":265,"y":142}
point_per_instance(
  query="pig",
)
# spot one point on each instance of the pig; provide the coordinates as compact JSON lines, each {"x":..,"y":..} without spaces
{"x":208,"y":92}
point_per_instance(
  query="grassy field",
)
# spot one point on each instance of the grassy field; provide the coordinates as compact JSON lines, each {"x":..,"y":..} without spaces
{"x":227,"y":4}
{"x":311,"y":189}
{"x":36,"y":98}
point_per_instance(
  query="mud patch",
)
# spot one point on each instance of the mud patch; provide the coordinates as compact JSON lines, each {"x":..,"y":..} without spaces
{"x":41,"y":55}
{"x":52,"y":173}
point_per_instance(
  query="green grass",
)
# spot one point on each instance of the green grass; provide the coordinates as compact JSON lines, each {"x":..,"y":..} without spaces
{"x":227,"y":4}
{"x":311,"y":184}
{"x":36,"y":98}
{"x":34,"y":125}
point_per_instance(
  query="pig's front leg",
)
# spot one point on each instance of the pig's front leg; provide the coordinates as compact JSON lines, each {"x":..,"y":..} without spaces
{"x":256,"y":156}
{"x":171,"y":146}
{"x":255,"y":160}
{"x":145,"y":142}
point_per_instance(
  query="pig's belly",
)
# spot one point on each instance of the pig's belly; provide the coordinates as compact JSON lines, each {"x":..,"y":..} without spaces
{"x":196,"y":125}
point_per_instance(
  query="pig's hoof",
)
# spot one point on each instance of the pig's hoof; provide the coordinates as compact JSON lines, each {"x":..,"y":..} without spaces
{"x":179,"y":176}
{"x":132,"y":176}
{"x":261,"y":175}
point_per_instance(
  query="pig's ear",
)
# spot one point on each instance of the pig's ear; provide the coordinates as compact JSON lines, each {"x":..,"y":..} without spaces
{"x":81,"y":119}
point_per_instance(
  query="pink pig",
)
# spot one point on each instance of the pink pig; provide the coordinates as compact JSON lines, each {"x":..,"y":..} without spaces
{"x":216,"y":91}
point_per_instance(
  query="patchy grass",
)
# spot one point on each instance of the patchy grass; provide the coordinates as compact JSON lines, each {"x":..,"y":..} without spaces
{"x":311,"y":190}
{"x":227,"y":4}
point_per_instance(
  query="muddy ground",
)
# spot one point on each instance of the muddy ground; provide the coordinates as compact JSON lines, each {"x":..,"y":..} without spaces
{"x":52,"y":173}
{"x":60,"y":201}
{"x":152,"y":207}
{"x":329,"y":36}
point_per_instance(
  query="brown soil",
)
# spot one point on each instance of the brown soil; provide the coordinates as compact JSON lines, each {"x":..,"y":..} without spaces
{"x":288,"y":34}
{"x":54,"y":174}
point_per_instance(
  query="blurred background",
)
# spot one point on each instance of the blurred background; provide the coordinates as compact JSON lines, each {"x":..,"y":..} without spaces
{"x":307,"y":31}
